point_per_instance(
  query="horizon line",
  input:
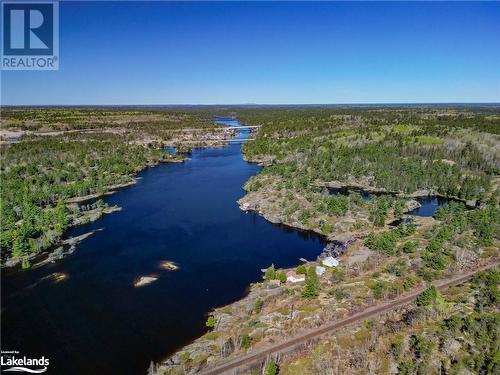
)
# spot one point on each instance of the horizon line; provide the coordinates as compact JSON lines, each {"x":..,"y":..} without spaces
{"x":250,"y":104}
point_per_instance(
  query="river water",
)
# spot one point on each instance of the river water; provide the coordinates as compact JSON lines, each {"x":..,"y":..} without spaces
{"x":96,"y":322}
{"x":428,"y":205}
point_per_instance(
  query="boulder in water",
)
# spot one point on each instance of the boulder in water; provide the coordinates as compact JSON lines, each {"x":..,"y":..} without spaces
{"x":169,"y":265}
{"x":144,"y":280}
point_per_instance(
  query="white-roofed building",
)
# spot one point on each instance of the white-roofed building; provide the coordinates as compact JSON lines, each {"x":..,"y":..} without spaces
{"x":320,"y":270}
{"x":293,"y":277}
{"x":330,"y":262}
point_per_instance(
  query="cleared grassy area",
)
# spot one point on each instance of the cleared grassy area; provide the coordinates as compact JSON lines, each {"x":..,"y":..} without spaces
{"x":428,"y":140}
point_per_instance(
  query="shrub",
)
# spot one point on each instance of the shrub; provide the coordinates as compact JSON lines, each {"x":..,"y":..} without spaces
{"x":379,"y":212}
{"x":409,"y":247}
{"x":304,"y":216}
{"x":409,"y":282}
{"x":310,"y":289}
{"x":210,"y":323}
{"x":311,"y":273}
{"x":327,"y":228}
{"x":25,"y":264}
{"x":311,"y":284}
{"x":338,"y":293}
{"x":427,"y":297}
{"x":301,"y":270}
{"x":245,"y":341}
{"x":406,"y":367}
{"x":406,"y":229}
{"x":436,"y":261}
{"x":257,"y":307}
{"x":281,"y":276}
{"x":378,"y":289}
{"x":384,"y":242}
{"x":337,"y":204}
{"x":399,"y":208}
{"x":270,"y":273}
{"x":271,"y":368}
{"x":421,"y":346}
{"x":337,"y":274}
{"x":397,"y":347}
{"x":397,"y":268}
{"x":427,"y":274}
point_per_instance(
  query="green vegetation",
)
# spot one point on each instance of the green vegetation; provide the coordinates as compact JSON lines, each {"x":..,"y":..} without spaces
{"x":389,"y":152}
{"x":301,"y":269}
{"x":454,"y":333}
{"x":428,"y":140}
{"x":270,"y":273}
{"x":409,"y":247}
{"x":398,"y":149}
{"x":271,"y":368}
{"x":458,"y":231}
{"x":281,"y":276}
{"x":210,"y":323}
{"x":317,"y":160}
{"x":386,"y":241}
{"x":311,"y":289}
{"x":245,"y":341}
{"x":39,"y":175}
{"x":64,"y":119}
{"x":258,"y":305}
{"x":427,"y":297}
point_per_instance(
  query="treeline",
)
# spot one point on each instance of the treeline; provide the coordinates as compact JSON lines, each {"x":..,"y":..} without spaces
{"x":52,"y":119}
{"x":435,"y":119}
{"x":385,"y":166}
{"x":323,"y":147}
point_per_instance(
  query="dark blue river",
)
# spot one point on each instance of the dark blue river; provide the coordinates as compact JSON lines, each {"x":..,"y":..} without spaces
{"x":96,"y":322}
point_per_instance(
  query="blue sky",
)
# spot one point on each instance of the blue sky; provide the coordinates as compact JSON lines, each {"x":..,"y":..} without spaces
{"x":268,"y":53}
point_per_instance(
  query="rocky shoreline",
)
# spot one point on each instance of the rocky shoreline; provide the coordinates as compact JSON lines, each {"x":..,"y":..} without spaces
{"x":366,"y":188}
{"x":255,"y":201}
{"x":346,"y":246}
{"x":284,"y":313}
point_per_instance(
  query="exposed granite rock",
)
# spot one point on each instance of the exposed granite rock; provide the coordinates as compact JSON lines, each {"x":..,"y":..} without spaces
{"x":76,"y":240}
{"x":337,"y":247}
{"x":421,"y":193}
{"x":12,"y":262}
{"x":144,"y":280}
{"x":227,"y":348}
{"x":60,"y":253}
{"x":363,"y":184}
{"x":411,"y":205}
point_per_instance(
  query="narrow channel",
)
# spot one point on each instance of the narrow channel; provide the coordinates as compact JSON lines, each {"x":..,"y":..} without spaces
{"x":96,"y":322}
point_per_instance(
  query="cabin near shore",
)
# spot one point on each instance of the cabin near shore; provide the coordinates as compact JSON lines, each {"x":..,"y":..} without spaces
{"x":293,"y":277}
{"x":330,"y":262}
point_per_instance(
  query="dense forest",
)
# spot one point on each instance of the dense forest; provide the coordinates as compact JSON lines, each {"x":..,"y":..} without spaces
{"x":450,"y":152}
